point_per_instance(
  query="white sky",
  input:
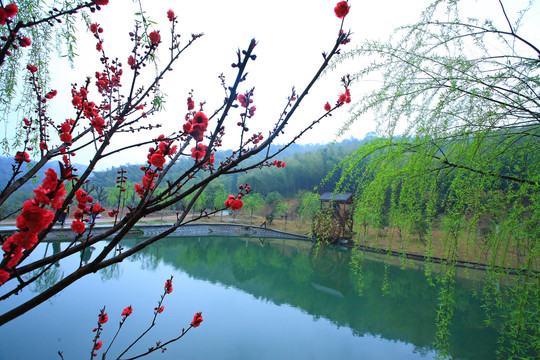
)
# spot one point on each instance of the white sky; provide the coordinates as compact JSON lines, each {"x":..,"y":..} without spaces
{"x":292,"y":34}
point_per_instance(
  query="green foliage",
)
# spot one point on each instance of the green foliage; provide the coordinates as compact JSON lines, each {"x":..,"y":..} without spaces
{"x":445,"y":312}
{"x":219,"y":196}
{"x":308,"y":205}
{"x":324,"y":227}
{"x":306,"y":167}
{"x":46,"y":41}
{"x":281,"y":208}
{"x":459,"y":120}
{"x":253,"y":202}
{"x":273,"y":197}
{"x":357,"y":270}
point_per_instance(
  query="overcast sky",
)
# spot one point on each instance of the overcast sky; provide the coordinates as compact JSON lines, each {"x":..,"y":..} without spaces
{"x":292,"y":34}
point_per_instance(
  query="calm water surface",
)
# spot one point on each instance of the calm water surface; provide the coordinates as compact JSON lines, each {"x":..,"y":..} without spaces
{"x":261,"y":299}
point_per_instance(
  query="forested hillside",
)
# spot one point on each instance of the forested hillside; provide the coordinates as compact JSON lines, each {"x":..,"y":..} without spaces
{"x":306,"y":166}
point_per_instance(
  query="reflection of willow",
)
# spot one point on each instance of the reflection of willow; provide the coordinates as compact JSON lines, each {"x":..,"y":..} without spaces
{"x":111,"y":272}
{"x":86,"y":254}
{"x":150,"y":262}
{"x":148,"y":258}
{"x":323,"y":259}
{"x":330,"y":268}
{"x":46,"y":276}
{"x":49,"y":278}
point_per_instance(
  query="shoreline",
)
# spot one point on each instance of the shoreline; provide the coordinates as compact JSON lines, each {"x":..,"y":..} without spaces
{"x":153,"y":225}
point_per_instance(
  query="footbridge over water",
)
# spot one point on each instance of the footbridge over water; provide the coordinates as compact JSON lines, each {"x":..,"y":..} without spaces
{"x":221,"y":230}
{"x":188,"y":230}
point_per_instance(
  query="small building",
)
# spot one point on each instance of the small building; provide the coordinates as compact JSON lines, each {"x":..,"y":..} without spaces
{"x":334,"y":221}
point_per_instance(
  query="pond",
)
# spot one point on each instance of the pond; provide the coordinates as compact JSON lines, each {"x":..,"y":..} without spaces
{"x":260,"y":299}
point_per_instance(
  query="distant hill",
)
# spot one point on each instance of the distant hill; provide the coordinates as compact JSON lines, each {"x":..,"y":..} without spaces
{"x":6,"y":171}
{"x":307,"y":166}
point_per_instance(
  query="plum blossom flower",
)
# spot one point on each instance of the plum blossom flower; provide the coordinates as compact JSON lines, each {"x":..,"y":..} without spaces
{"x":66,"y":137}
{"x":11,"y":10}
{"x":168,"y":286}
{"x":22,"y":156}
{"x":103,"y":318}
{"x":33,"y":69}
{"x":234,"y":204}
{"x":190,"y":104}
{"x":154,"y":37}
{"x":8,"y":12}
{"x":4,"y":276}
{"x":59,"y":197}
{"x":127,"y":311}
{"x":78,"y":226}
{"x":25,"y":239}
{"x":157,"y":160}
{"x":51,"y":180}
{"x":243,"y":100}
{"x":25,"y":41}
{"x":33,"y":217}
{"x":197,"y":320}
{"x":198,"y":152}
{"x":14,"y":258}
{"x":342,"y":9}
{"x":96,"y":209}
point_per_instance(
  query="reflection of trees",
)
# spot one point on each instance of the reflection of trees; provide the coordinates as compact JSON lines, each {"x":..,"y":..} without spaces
{"x":110,"y":272}
{"x":300,"y":270}
{"x":51,"y":275}
{"x":49,"y":278}
{"x":86,"y":254}
{"x":113,"y":271}
{"x":275,"y":259}
{"x":150,"y":262}
{"x":322,"y":286}
{"x":323,"y":260}
{"x":245,"y":261}
{"x":215,"y":255}
{"x":193,"y":255}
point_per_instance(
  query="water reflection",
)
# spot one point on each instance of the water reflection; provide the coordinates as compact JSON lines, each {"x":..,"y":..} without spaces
{"x":289,"y":272}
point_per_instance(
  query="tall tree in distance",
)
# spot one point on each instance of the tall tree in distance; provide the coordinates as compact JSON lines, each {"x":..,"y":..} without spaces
{"x":458,"y":113}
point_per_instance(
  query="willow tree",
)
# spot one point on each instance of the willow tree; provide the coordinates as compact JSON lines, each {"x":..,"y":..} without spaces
{"x":458,"y":114}
{"x":54,"y":33}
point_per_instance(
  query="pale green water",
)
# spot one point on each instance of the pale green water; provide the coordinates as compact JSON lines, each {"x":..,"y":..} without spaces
{"x":260,"y":300}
